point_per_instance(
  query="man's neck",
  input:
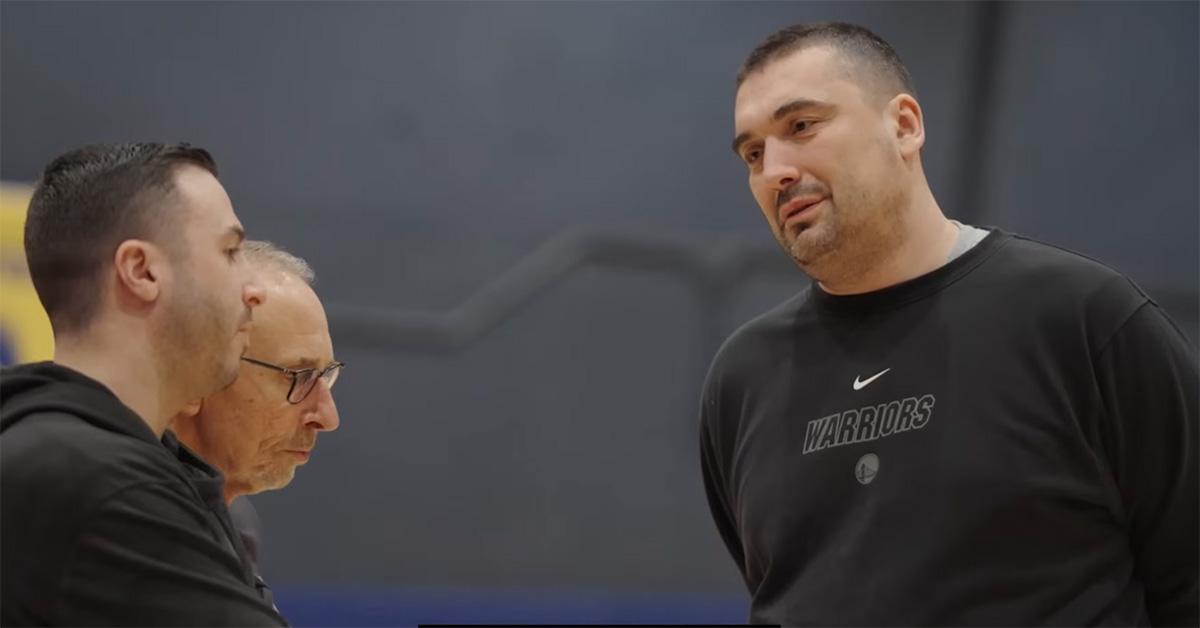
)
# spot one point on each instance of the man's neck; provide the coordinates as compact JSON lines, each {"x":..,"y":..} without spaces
{"x":928,"y":237}
{"x":125,"y":369}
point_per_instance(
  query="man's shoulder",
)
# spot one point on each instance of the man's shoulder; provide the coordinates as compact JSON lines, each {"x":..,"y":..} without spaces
{"x":755,"y":341}
{"x":1052,"y":278}
{"x":53,"y":459}
{"x":1058,"y":266}
{"x":62,"y":477}
{"x":1042,"y":292}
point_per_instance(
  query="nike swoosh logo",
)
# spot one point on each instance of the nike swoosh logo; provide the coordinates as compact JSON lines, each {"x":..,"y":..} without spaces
{"x":864,"y":383}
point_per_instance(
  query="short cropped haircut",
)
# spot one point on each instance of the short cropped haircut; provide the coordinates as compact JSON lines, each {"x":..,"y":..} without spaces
{"x":875,"y":63}
{"x":86,"y":203}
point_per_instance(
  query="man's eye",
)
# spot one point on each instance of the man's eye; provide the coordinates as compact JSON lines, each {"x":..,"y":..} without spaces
{"x":800,"y":126}
{"x":751,"y":156}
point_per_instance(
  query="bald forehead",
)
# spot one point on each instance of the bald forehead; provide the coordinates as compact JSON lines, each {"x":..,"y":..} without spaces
{"x":290,"y":327}
{"x":287,"y":295}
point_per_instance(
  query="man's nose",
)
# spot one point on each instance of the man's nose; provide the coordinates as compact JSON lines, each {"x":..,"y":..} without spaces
{"x":325,"y":418}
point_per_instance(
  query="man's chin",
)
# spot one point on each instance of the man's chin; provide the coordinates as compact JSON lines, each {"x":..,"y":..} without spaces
{"x":805,"y":248}
{"x":279,"y":479}
{"x":229,"y":375}
{"x":810,"y":250}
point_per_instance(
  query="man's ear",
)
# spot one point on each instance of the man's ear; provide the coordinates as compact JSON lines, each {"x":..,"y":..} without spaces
{"x":909,"y":124}
{"x":141,"y":268}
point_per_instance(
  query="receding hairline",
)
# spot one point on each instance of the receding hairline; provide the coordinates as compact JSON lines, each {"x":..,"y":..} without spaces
{"x":290,"y":288}
{"x":269,"y":256}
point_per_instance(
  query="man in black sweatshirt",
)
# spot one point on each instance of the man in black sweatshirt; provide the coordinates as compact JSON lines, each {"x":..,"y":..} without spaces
{"x":951,"y":425}
{"x":134,"y":251}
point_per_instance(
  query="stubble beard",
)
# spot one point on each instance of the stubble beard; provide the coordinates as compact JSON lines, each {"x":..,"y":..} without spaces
{"x":811,"y":246}
{"x":848,"y":241}
{"x":198,"y":344}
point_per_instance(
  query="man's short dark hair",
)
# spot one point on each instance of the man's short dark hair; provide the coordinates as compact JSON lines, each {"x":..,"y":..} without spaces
{"x":86,"y":203}
{"x":865,"y":50}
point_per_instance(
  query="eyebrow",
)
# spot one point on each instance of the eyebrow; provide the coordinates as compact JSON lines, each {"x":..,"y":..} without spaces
{"x":304,"y":363}
{"x":783,"y":110}
{"x":309,"y":363}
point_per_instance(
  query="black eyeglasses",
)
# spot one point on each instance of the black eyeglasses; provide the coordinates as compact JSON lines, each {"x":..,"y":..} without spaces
{"x":303,"y":380}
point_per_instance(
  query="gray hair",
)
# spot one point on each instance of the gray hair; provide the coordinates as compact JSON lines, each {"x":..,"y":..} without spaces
{"x":265,"y":254}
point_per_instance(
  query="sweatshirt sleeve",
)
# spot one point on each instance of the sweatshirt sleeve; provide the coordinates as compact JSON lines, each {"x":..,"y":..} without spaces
{"x":1148,"y":382}
{"x":713,"y":469}
{"x":144,"y":560}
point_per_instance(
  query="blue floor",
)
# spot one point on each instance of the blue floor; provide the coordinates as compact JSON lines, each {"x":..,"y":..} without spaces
{"x":344,"y":605}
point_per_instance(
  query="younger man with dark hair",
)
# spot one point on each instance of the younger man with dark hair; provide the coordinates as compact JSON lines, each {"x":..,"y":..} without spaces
{"x":134,"y":251}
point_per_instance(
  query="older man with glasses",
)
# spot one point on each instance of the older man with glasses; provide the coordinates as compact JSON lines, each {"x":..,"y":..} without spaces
{"x":259,"y":429}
